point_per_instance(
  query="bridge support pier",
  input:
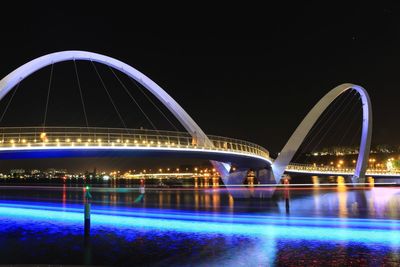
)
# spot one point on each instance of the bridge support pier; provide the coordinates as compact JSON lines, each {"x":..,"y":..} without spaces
{"x":355,"y":179}
{"x":264,"y":177}
{"x":234,"y":183}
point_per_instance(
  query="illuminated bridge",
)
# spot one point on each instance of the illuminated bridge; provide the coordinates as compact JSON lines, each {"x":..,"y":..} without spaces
{"x":223,"y":153}
{"x":37,"y":142}
{"x":327,"y":170}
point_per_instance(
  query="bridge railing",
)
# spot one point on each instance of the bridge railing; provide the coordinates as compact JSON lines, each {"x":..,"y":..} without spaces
{"x":95,"y":136}
{"x":332,"y":169}
{"x":310,"y":167}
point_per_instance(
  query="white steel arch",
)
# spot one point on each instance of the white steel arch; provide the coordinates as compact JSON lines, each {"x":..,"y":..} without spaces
{"x":19,"y":74}
{"x":12,"y":79}
{"x":294,"y":142}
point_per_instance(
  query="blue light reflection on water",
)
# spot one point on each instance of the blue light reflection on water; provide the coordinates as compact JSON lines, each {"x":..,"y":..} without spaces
{"x":321,"y":229}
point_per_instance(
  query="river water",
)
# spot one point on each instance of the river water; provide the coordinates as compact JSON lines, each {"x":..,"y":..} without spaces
{"x":299,"y":226}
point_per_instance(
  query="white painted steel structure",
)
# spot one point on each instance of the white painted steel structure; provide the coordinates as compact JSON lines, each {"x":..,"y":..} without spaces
{"x":305,"y":126}
{"x":199,"y":137}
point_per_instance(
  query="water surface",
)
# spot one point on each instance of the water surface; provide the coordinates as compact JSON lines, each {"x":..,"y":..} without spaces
{"x":310,"y":226}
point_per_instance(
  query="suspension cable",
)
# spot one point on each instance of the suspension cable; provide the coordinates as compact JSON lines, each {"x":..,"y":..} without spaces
{"x":331,"y":125}
{"x":80,"y":92}
{"x":322,"y":119}
{"x":356,"y":133}
{"x":342,"y":118}
{"x":48,"y":96}
{"x":352,"y":121}
{"x":360,"y":125}
{"x":133,"y":99}
{"x":9,"y":102}
{"x":329,"y":119}
{"x":152,"y":102}
{"x":331,"y":112}
{"x":352,"y":93}
{"x":109,"y":96}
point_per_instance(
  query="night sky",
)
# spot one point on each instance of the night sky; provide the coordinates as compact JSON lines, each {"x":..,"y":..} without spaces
{"x":246,"y":72}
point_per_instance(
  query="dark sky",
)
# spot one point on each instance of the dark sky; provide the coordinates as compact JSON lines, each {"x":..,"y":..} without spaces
{"x":241,"y":71}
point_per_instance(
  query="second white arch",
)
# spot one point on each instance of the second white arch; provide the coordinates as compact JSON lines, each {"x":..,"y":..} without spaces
{"x":297,"y":138}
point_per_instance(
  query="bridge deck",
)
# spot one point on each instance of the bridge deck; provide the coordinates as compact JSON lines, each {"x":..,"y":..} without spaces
{"x":24,"y":142}
{"x":323,"y":170}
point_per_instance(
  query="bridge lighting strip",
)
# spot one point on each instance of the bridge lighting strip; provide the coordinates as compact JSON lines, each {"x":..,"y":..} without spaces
{"x":165,"y":174}
{"x":340,"y":173}
{"x":202,"y":150}
{"x":315,"y":185}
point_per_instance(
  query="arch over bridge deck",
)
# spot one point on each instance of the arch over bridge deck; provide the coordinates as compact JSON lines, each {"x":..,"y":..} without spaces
{"x":305,"y":126}
{"x":198,"y":137}
{"x":12,"y":79}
